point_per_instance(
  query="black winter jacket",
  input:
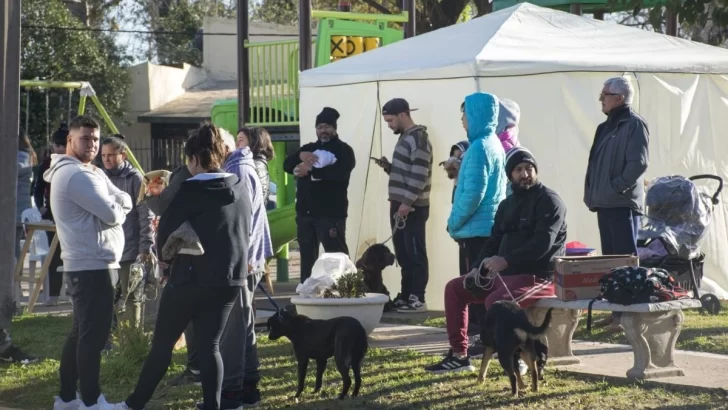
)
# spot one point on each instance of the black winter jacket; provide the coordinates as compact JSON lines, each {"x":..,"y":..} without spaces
{"x":326,"y":198}
{"x":529,"y":232}
{"x":218,"y":207}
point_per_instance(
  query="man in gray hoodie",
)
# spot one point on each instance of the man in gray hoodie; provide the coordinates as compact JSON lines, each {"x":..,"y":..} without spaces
{"x":89,"y":212}
{"x":138,"y":234}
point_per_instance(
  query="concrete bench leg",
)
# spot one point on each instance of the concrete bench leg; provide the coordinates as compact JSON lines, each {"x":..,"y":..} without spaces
{"x":559,"y":334}
{"x":653,"y":336}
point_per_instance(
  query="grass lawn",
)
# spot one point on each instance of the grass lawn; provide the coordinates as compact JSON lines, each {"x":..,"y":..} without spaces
{"x":392,"y":380}
{"x":700,"y":333}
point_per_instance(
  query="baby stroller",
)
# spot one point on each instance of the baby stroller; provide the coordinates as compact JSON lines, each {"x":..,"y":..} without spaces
{"x":678,"y":215}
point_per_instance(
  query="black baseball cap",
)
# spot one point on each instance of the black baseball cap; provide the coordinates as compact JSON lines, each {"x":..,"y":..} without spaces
{"x":396,"y":106}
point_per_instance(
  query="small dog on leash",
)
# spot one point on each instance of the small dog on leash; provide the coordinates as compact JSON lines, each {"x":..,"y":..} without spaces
{"x":508,"y":332}
{"x":374,"y":260}
{"x":344,"y":338}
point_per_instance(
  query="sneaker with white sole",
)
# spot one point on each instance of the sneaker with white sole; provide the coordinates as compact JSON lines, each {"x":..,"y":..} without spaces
{"x":399,"y":301}
{"x":59,"y":404}
{"x":451,"y":363}
{"x":102,"y":404}
{"x":413,"y":306}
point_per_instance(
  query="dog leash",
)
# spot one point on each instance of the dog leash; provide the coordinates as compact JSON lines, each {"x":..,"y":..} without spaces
{"x":399,"y":223}
{"x":273,"y":302}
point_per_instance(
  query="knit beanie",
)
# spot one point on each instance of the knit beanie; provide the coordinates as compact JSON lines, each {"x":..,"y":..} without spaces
{"x":517,"y":155}
{"x":509,"y":113}
{"x":327,"y":116}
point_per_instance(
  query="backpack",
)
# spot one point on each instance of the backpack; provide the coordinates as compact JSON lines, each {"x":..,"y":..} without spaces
{"x":630,"y":285}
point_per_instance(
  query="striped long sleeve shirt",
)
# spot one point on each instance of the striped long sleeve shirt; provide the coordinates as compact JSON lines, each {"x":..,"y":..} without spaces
{"x":411,"y":172}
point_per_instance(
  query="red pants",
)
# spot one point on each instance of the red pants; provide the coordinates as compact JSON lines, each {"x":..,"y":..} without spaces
{"x":526,"y":289}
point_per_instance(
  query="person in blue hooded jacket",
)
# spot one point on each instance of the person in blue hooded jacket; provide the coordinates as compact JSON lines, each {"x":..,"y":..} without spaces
{"x":481,"y":181}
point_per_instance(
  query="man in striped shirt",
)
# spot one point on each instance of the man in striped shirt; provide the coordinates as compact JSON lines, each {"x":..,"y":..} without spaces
{"x":410,"y":174}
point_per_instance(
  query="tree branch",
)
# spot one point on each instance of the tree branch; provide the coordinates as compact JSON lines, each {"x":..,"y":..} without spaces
{"x":380,"y":8}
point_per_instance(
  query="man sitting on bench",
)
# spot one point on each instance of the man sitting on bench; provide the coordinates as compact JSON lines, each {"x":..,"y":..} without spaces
{"x":515,"y":263}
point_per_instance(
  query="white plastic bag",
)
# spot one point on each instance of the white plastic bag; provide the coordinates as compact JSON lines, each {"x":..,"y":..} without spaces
{"x":326,"y":271}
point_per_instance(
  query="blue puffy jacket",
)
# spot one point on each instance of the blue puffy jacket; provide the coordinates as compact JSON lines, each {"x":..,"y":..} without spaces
{"x":482,"y":179}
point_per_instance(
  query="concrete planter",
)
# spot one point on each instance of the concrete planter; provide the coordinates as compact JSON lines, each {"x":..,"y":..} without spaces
{"x":367,"y":310}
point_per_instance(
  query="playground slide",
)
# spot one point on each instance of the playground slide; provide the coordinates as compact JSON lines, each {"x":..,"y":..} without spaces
{"x":282,"y":223}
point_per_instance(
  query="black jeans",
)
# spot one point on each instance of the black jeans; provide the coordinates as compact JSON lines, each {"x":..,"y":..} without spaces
{"x":410,"y":248}
{"x":93,"y":307}
{"x":55,"y":278}
{"x":312,"y":232}
{"x":469,"y":249}
{"x":208,"y":308}
{"x":618,"y":228}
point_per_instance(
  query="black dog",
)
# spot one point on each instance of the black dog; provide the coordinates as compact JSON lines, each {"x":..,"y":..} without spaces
{"x":508,"y":332}
{"x":374,"y":260}
{"x":342,"y":337}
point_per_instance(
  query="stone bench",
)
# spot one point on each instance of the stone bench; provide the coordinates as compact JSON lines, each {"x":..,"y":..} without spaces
{"x":651,"y":328}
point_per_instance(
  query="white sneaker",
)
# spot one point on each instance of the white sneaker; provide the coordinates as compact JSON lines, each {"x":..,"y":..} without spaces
{"x":102,"y":404}
{"x":59,"y":404}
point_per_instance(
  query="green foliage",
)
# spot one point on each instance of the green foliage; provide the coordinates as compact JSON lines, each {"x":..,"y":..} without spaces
{"x":349,"y":285}
{"x":67,"y":55}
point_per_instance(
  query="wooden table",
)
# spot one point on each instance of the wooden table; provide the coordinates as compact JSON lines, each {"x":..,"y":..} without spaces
{"x":46,"y":226}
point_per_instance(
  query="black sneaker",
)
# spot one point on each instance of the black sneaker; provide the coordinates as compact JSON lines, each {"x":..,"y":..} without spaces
{"x":251,"y":396}
{"x":13,"y":354}
{"x":451,"y":364}
{"x":413,"y":306}
{"x":229,"y":400}
{"x":399,"y":302}
{"x":188,"y":376}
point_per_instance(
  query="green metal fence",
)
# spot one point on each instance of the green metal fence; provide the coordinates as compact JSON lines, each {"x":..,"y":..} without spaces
{"x":273,"y":82}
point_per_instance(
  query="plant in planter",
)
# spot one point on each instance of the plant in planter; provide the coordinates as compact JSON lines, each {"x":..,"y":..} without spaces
{"x":349,"y":285}
{"x":347,"y":297}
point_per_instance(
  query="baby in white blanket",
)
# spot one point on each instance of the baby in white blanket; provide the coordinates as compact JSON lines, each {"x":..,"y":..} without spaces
{"x":324,"y":159}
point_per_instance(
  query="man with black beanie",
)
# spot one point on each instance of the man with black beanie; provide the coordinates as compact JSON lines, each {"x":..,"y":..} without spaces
{"x":528,"y":234}
{"x":322,"y":169}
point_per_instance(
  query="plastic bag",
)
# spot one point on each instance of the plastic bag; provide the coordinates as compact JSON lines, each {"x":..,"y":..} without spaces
{"x":678,"y":213}
{"x":326,"y":271}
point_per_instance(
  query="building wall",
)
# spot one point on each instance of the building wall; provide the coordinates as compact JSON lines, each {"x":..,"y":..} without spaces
{"x":220,"y":53}
{"x":152,"y":86}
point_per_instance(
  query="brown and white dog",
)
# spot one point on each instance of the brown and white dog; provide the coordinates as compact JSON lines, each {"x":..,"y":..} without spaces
{"x":374,"y":260}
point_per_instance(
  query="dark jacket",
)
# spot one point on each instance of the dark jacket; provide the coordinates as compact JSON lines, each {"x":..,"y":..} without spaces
{"x":218,"y":207}
{"x":529,"y":232}
{"x":617,"y":162}
{"x":328,"y":197}
{"x":42,"y":189}
{"x":261,"y":167}
{"x":138,"y":235}
{"x":158,"y":204}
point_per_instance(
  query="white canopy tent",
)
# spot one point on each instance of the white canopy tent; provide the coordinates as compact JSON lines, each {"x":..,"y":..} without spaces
{"x":553,"y":64}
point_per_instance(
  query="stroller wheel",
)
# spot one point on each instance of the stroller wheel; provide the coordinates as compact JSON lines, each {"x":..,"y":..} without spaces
{"x":710,"y":303}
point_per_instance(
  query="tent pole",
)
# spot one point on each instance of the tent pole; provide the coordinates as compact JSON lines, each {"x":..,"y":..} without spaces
{"x":599,"y":15}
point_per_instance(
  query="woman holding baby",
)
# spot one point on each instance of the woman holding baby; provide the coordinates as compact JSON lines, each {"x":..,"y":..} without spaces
{"x":200,"y":289}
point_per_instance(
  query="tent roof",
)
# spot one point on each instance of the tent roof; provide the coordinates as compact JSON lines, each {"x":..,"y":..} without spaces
{"x":522,"y":40}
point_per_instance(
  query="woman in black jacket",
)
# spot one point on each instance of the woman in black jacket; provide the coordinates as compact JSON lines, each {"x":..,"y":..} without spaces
{"x":201,"y":288}
{"x":261,"y":145}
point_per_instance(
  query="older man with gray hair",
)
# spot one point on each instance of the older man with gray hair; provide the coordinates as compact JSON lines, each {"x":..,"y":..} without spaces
{"x":619,"y":156}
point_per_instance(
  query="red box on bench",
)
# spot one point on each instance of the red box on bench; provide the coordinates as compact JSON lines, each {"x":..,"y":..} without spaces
{"x":577,"y":277}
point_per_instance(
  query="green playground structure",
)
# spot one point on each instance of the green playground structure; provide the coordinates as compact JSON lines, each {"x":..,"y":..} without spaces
{"x":273,"y":96}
